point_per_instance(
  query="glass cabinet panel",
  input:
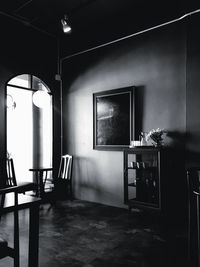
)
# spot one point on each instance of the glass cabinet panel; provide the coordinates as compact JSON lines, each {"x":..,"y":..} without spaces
{"x":142,"y":177}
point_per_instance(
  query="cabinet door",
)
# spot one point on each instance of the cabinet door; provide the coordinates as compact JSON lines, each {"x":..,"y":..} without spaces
{"x":142,"y":174}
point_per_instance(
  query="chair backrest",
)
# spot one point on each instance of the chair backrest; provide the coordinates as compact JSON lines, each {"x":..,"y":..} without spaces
{"x":10,"y":170}
{"x":65,"y":169}
{"x":11,"y":251}
{"x":193,"y":183}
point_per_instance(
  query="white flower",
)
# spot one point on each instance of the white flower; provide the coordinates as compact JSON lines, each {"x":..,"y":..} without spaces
{"x":156,"y":135}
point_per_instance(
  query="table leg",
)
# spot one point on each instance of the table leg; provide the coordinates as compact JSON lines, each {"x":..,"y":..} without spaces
{"x":16,"y":238}
{"x":41,"y":184}
{"x":33,"y":236}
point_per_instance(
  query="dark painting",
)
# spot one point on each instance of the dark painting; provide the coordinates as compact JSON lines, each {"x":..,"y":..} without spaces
{"x":113,"y":118}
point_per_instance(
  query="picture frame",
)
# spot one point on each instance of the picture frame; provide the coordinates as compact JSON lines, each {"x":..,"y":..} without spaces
{"x":113,"y":118}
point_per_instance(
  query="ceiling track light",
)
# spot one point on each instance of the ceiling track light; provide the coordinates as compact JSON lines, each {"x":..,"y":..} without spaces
{"x":65,"y":25}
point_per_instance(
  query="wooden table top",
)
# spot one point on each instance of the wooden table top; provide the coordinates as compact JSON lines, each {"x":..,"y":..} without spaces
{"x":41,"y":169}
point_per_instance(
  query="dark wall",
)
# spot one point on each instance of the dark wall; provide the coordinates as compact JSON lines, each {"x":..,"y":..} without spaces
{"x":154,"y":63}
{"x":24,"y":50}
{"x":193,"y":90}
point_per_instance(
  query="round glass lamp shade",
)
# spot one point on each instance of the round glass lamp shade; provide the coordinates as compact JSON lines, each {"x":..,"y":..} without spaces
{"x":41,"y":98}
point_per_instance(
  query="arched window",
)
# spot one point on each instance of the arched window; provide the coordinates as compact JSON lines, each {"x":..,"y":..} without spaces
{"x":29,"y":124}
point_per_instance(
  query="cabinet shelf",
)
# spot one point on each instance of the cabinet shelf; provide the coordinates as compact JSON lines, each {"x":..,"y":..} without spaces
{"x":132,"y":184}
{"x":139,"y":203}
{"x":142,"y":169}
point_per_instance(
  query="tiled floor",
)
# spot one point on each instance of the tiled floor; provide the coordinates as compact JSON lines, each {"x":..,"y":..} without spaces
{"x":82,"y":234}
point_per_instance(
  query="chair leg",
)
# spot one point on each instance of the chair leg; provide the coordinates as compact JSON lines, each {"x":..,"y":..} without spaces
{"x":189,"y":218}
{"x":70,"y":190}
{"x":198,"y":232}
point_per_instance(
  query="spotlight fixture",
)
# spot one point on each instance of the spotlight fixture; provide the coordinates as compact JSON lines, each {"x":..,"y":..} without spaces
{"x":65,"y":25}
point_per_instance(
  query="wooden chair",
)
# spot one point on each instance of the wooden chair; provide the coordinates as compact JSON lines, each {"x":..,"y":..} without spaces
{"x":11,"y":178}
{"x":193,"y":180}
{"x":197,"y":196}
{"x":63,"y":182}
{"x":59,"y":187}
{"x":5,"y":250}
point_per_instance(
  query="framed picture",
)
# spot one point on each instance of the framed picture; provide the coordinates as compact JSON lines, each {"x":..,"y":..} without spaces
{"x":113,"y":115}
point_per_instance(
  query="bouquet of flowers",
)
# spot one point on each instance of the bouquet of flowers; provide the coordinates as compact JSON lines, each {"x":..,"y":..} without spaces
{"x":156,"y":136}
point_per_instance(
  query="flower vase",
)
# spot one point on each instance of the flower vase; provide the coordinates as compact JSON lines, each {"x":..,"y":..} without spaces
{"x":158,"y":144}
{"x":143,"y":139}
